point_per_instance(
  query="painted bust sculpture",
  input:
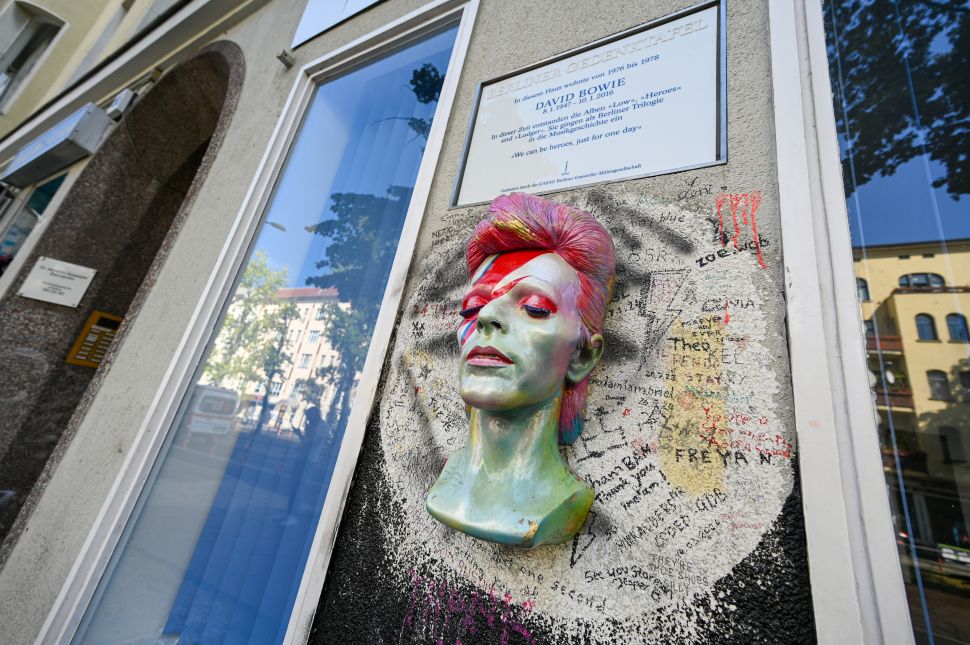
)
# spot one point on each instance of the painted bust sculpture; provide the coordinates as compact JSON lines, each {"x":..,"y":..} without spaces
{"x":541,"y":275}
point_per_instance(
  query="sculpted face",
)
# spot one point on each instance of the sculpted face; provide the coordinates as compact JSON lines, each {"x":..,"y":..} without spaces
{"x":521,"y":331}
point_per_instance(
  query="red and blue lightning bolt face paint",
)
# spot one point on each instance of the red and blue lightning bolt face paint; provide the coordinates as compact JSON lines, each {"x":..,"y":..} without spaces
{"x":483,"y":291}
{"x":521,"y":329}
{"x":530,"y":335}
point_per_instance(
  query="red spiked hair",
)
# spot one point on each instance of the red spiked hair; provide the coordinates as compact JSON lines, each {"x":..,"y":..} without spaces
{"x":518,"y":222}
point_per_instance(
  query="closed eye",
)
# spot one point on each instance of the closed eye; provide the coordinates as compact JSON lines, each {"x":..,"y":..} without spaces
{"x":538,"y":306}
{"x":469,"y":312}
{"x":536,"y":312}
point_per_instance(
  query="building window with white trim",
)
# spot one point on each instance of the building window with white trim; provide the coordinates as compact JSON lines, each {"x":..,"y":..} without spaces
{"x":362,"y":139}
{"x":314,"y":336}
{"x":29,"y":33}
{"x":939,"y":385}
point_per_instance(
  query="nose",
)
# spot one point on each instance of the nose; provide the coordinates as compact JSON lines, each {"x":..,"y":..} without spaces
{"x":489,"y":319}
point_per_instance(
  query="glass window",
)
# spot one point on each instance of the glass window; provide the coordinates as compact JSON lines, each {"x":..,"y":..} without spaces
{"x":922,"y":281}
{"x":925,"y":327}
{"x":939,"y":385}
{"x":18,"y":228}
{"x":314,"y":336}
{"x":899,"y":79}
{"x":218,"y":545}
{"x":965,"y":384}
{"x":957,"y":326}
{"x":862,"y":289}
{"x":952,"y":445}
{"x":34,"y":34}
{"x":305,"y":360}
{"x":870,"y":326}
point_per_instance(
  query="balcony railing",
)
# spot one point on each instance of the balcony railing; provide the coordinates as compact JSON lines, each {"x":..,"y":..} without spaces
{"x":885,"y":343}
{"x":897,"y":398}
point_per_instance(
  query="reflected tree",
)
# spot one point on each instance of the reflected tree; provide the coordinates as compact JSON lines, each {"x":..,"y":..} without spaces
{"x":425,"y":84}
{"x":362,"y":240}
{"x":956,"y":409}
{"x":275,"y":357}
{"x":246,"y":337}
{"x":875,"y":42}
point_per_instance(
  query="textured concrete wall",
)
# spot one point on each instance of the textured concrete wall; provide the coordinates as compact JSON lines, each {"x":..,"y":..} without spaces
{"x":696,"y":532}
{"x":35,"y":566}
{"x":114,"y":220}
{"x":704,"y":549}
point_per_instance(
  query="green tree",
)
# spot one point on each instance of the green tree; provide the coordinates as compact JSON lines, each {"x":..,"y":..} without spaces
{"x":274,"y":357}
{"x":362,"y":240}
{"x":246,"y":336}
{"x":872,"y":46}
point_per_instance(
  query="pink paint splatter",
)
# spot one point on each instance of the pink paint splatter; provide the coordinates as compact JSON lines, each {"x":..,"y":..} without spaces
{"x":437,"y":609}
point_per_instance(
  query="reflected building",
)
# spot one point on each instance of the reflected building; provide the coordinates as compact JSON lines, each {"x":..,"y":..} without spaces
{"x":304,"y":349}
{"x":913,"y":299}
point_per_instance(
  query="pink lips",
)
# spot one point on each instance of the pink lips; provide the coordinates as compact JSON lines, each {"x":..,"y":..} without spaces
{"x":487,"y":357}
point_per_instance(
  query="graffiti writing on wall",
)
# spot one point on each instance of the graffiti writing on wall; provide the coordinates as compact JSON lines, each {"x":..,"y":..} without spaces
{"x":743,"y":208}
{"x":688,"y":441}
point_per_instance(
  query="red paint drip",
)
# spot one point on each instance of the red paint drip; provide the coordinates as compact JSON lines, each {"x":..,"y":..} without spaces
{"x":735,"y":203}
{"x":747,"y":204}
{"x":754,"y":200}
{"x":727,"y":314}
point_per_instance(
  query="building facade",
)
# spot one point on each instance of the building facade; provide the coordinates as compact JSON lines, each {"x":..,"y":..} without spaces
{"x":234,"y":265}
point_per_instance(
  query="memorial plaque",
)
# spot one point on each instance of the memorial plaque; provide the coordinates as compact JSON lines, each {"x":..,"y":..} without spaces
{"x":648,"y":101}
{"x":61,"y":283}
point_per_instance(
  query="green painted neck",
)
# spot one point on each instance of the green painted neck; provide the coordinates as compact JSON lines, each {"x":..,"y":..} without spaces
{"x":524,"y":441}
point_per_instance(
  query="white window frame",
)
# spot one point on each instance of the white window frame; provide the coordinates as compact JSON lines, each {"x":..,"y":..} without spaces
{"x":81,"y":583}
{"x":857,"y":586}
{"x":37,"y":15}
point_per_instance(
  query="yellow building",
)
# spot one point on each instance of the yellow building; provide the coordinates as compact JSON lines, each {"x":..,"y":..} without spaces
{"x":915,"y":299}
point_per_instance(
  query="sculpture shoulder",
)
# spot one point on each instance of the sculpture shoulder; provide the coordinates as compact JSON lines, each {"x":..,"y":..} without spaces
{"x":566,"y":518}
{"x":509,"y":514}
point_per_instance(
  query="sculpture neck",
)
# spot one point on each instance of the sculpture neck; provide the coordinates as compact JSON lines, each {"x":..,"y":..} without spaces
{"x":518,"y":443}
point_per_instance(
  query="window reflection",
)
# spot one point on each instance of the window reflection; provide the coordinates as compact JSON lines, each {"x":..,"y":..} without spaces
{"x":216,"y":551}
{"x":899,"y":83}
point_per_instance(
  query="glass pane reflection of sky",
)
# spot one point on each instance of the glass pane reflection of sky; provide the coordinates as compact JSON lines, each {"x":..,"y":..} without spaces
{"x":899,"y":75}
{"x":216,"y":549}
{"x":368,"y":110}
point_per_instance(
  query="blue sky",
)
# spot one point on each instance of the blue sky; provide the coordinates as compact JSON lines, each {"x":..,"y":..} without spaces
{"x":904,"y":207}
{"x":354,"y":138}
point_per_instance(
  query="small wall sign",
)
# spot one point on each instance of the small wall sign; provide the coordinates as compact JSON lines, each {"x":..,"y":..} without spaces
{"x":61,"y":283}
{"x":647,"y":101}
